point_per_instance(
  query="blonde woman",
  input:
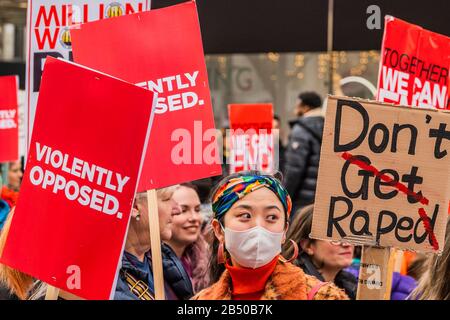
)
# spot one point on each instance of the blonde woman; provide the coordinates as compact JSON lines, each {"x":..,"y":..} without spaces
{"x":135,"y":280}
{"x":136,"y":263}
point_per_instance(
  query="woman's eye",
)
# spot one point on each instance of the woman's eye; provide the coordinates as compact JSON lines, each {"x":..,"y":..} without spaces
{"x":272,"y":217}
{"x":245,"y":215}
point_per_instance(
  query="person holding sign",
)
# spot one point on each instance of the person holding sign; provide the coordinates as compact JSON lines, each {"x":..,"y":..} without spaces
{"x":4,"y":206}
{"x":135,"y":280}
{"x":251,"y":212}
{"x":14,"y":285}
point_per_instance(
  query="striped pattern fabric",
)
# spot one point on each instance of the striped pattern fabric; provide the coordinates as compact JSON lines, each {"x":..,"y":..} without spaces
{"x":237,"y":188}
{"x":138,"y":288}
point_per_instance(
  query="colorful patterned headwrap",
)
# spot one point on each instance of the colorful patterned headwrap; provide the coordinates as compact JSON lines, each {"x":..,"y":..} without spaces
{"x":238,"y":187}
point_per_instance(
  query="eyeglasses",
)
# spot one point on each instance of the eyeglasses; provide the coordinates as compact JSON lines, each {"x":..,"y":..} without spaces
{"x":340,"y":243}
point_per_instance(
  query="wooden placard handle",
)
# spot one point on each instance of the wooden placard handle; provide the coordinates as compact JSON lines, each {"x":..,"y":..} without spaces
{"x":375,"y":274}
{"x":155,"y":241}
{"x":52,"y":293}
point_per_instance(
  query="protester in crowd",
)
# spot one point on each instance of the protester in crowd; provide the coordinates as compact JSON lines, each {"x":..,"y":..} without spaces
{"x":14,"y":285}
{"x":251,"y":212}
{"x":136,"y":275}
{"x":10,"y":192}
{"x":303,"y":150}
{"x":325,"y":260}
{"x":276,"y":124}
{"x":187,"y":240}
{"x":4,"y":206}
{"x":435,"y":282}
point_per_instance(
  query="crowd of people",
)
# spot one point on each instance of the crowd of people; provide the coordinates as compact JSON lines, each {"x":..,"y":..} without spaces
{"x":254,"y":246}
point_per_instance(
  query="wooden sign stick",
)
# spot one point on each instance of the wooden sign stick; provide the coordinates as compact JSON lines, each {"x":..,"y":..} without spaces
{"x":398,"y":260}
{"x":375,"y":274}
{"x":52,"y":293}
{"x":155,"y":242}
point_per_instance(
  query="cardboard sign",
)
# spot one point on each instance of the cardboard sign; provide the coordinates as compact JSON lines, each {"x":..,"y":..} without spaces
{"x":414,"y":66}
{"x":49,"y":35}
{"x":161,"y":50}
{"x":251,"y":140}
{"x":383,"y":176}
{"x":9,"y":119}
{"x":83,"y":165}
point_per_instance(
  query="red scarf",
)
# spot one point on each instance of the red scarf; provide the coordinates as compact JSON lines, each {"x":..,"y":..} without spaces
{"x":249,"y":284}
{"x":9,"y":196}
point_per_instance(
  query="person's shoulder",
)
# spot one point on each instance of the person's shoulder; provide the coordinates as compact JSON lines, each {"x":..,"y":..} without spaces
{"x":305,"y":125}
{"x":204,"y":294}
{"x":402,"y":286}
{"x":324,"y":290}
{"x":219,"y":290}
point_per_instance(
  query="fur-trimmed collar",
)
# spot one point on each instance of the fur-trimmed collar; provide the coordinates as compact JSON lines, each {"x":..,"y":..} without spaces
{"x":287,"y":282}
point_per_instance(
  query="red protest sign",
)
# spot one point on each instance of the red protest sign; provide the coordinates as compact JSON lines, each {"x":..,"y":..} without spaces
{"x":161,"y":50}
{"x":83,"y":164}
{"x":414,"y":66}
{"x":9,"y":128}
{"x":251,"y":141}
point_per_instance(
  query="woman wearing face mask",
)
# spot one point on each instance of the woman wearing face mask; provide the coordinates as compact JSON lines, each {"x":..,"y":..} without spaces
{"x":187,"y":240}
{"x":325,"y":260}
{"x":251,"y":211}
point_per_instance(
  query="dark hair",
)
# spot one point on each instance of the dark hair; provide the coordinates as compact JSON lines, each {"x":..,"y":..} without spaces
{"x":310,"y":99}
{"x":276,"y":117}
{"x":216,"y":269}
{"x":299,"y":229}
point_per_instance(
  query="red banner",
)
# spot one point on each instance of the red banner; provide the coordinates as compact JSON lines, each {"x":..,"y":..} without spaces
{"x":9,"y":119}
{"x":414,"y":66}
{"x":83,"y":166}
{"x":251,"y":140}
{"x":161,"y":50}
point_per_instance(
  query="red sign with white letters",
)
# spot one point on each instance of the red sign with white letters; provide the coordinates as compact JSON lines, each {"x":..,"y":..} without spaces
{"x":251,"y":140}
{"x":9,"y":126}
{"x":161,"y":50}
{"x":86,"y":151}
{"x":414,"y":66}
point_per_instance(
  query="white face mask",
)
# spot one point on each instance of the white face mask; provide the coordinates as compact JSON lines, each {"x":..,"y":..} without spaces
{"x":253,"y":248}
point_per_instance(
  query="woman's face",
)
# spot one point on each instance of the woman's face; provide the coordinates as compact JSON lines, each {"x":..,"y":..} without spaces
{"x":15,"y":175}
{"x":330,"y":254}
{"x":258,"y":208}
{"x":186,"y":226}
{"x":167,"y":207}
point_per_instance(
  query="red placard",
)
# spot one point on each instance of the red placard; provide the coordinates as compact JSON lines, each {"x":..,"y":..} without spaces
{"x":251,"y":139}
{"x":86,"y":151}
{"x":414,"y":66}
{"x":161,"y":50}
{"x":9,"y":125}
